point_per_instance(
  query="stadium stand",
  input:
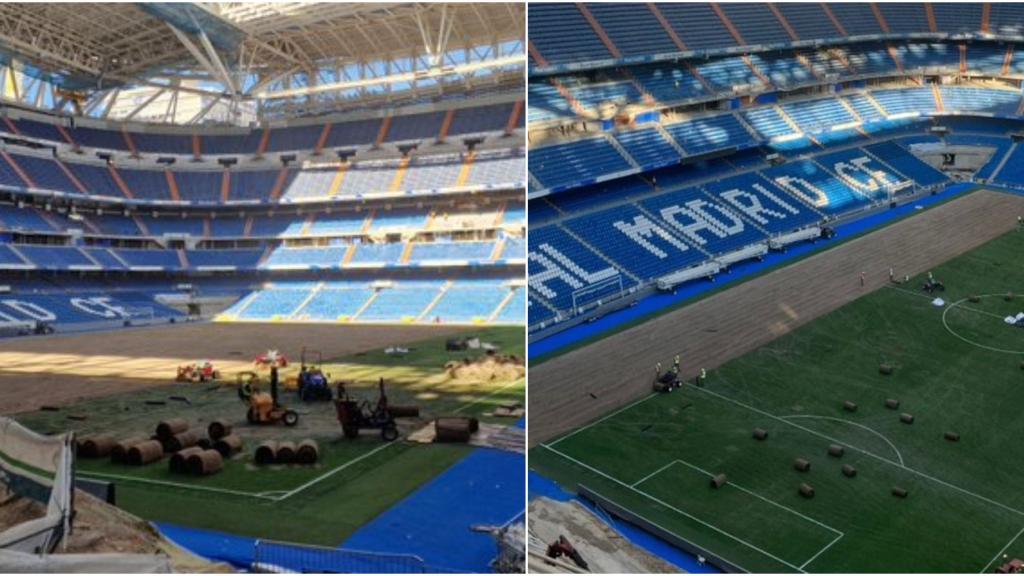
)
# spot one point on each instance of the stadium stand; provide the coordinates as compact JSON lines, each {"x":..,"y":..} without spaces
{"x":454,"y":209}
{"x":670,"y":138}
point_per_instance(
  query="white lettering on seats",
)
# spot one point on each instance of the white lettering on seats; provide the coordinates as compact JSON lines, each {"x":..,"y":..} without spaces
{"x":803,"y":189}
{"x":641,"y":230}
{"x":99,"y":306}
{"x":751,"y":205}
{"x":31,"y":310}
{"x":702,"y":220}
{"x":877,"y":179}
{"x":558,"y":266}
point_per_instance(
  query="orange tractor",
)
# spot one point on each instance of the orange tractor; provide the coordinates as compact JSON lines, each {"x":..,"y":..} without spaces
{"x":263,"y":406}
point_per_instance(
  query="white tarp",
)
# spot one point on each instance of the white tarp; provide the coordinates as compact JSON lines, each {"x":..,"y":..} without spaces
{"x":41,"y":468}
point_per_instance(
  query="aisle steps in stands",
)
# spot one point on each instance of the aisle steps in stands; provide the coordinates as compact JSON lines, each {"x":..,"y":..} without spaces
{"x":1006,"y":157}
{"x":403,"y":167}
{"x":338,"y":180}
{"x":437,"y":298}
{"x":367,"y":304}
{"x":21,"y":255}
{"x":120,"y":183}
{"x":142,"y":225}
{"x":501,"y":306}
{"x":467,"y":167}
{"x":622,"y":151}
{"x":297,"y":314}
{"x":875,"y":103}
{"x":225,"y":186}
{"x":89,"y":257}
{"x":668,"y":138}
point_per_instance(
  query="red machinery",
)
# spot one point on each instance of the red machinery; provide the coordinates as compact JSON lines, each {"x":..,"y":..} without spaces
{"x":199,"y":371}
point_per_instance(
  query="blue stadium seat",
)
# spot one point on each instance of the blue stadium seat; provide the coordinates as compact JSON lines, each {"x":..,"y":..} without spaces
{"x":697,"y":25}
{"x":561,"y":34}
{"x":904,"y":17}
{"x":709,"y":134}
{"x":576,"y":162}
{"x":469,"y":302}
{"x":647,"y":147}
{"x":404,"y":301}
{"x":907,"y":164}
{"x":633,"y":28}
{"x":755,"y":22}
{"x":439,"y":252}
{"x":337,"y":302}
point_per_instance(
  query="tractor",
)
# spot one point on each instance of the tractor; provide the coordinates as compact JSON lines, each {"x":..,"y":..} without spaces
{"x":313,"y":384}
{"x":199,"y":371}
{"x":354,"y":415}
{"x":263,"y":406}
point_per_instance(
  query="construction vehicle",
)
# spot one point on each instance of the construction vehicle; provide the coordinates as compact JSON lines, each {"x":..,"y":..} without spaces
{"x":270,"y":359}
{"x":199,"y":371}
{"x":354,"y":415}
{"x":313,"y":385}
{"x":263,"y":406}
{"x":668,"y":380}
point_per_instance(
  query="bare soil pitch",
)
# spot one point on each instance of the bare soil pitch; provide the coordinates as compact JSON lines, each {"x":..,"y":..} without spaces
{"x":61,"y":370}
{"x":571,"y":390}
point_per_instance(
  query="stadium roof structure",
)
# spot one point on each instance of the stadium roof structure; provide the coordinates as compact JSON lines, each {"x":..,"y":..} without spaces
{"x":257,"y":60}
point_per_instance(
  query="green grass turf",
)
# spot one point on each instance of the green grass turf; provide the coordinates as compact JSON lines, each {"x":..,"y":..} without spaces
{"x":328,"y":511}
{"x":965,"y":508}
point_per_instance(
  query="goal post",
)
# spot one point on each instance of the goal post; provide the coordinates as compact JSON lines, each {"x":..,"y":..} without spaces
{"x":597,"y":291}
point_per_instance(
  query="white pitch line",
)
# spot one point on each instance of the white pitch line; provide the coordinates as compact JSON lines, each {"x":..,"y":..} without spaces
{"x":768,"y":500}
{"x":1001,"y":552}
{"x":673,"y":508}
{"x":175,"y":484}
{"x":327,"y":475}
{"x":652,"y":474}
{"x":865,"y":452}
{"x":822,"y":551}
{"x":602,"y":419}
{"x":852,"y":423}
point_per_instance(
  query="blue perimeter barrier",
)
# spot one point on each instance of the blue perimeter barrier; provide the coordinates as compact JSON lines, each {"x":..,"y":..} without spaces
{"x":485,"y":488}
{"x":738,"y":273}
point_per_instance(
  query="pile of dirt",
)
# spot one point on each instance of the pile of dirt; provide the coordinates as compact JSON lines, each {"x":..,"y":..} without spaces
{"x":101,"y":528}
{"x":15,"y":510}
{"x":487,"y":368}
{"x":603,"y":549}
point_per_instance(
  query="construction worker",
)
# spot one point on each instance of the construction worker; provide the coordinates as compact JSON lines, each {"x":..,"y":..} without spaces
{"x":675,"y":364}
{"x":861,"y":279}
{"x":702,"y":378}
{"x":892,"y":276}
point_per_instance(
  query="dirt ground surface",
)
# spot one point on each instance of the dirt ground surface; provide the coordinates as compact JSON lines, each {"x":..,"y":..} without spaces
{"x":603,"y":549}
{"x":63,"y":369}
{"x":578,"y":387}
{"x":100,"y":528}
